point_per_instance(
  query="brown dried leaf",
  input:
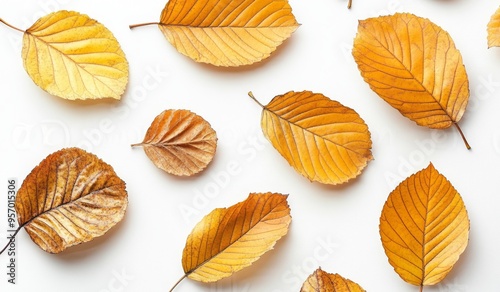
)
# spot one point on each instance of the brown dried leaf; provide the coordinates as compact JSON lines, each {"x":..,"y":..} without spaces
{"x":71,"y":197}
{"x":424,"y":227}
{"x":180,"y":142}
{"x":321,"y":281}
{"x":320,"y":138}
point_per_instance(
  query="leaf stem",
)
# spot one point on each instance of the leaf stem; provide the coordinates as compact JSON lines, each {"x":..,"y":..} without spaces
{"x":463,"y":136}
{"x":137,"y":145}
{"x":142,"y":24}
{"x":11,"y":26}
{"x":421,"y":288}
{"x":177,"y":283}
{"x":349,"y":4}
{"x":253,"y":97}
{"x":11,"y":239}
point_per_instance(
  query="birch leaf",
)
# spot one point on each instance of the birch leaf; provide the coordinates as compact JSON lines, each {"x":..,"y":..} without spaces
{"x":494,"y":30}
{"x":72,"y":56}
{"x":320,"y":138}
{"x":180,"y":142}
{"x":230,"y":239}
{"x":414,"y":66}
{"x":424,"y":227}
{"x":227,"y":33}
{"x":71,"y":197}
{"x":321,"y":281}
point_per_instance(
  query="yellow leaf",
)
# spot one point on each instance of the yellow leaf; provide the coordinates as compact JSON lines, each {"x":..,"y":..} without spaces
{"x":71,"y":197}
{"x":230,"y":239}
{"x":180,"y":142}
{"x":227,"y":33}
{"x":494,"y":30}
{"x":73,"y":56}
{"x":320,"y":138}
{"x":321,"y":281}
{"x":413,"y":65}
{"x":424,"y":227}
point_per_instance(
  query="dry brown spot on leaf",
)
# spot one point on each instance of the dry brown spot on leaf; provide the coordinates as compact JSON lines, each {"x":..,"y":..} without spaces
{"x":72,"y":56}
{"x":413,"y":65}
{"x":424,"y":227}
{"x":494,"y":30}
{"x":227,"y":33}
{"x":321,"y":281}
{"x":180,"y":142}
{"x":230,"y":239}
{"x":71,"y":197}
{"x":320,"y":138}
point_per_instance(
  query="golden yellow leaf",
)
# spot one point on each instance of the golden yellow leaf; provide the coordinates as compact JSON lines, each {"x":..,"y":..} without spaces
{"x":424,"y":227}
{"x":321,"y":281}
{"x":320,"y":138}
{"x":414,"y":66}
{"x":73,"y":56}
{"x":180,"y":142}
{"x":494,"y":30}
{"x":71,"y":197}
{"x":230,"y":239}
{"x":227,"y":33}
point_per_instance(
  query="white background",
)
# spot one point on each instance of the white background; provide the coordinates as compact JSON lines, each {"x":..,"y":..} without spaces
{"x":333,"y":227}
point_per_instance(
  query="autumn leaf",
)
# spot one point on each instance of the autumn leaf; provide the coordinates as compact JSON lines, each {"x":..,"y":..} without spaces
{"x":226,"y":33}
{"x":180,"y":142}
{"x":72,"y":56}
{"x":494,"y":30}
{"x":424,"y":227}
{"x":414,"y":66}
{"x":230,"y":239}
{"x":71,"y":197}
{"x":321,"y":281}
{"x":320,"y":138}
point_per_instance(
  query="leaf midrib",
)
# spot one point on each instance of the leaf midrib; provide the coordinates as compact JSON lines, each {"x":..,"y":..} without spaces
{"x":226,"y":26}
{"x":312,"y":133}
{"x":65,"y":204}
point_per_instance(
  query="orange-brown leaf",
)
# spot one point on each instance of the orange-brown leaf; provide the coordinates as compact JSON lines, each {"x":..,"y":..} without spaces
{"x":320,"y":138}
{"x":494,"y":30}
{"x":227,"y":32}
{"x":424,"y":227}
{"x":180,"y":142}
{"x":71,"y":197}
{"x":413,"y":65}
{"x":321,"y":281}
{"x":230,"y":239}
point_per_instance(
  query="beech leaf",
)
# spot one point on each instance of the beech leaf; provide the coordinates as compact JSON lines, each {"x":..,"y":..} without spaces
{"x":424,"y":227}
{"x":71,"y":197}
{"x":226,"y":33}
{"x":320,"y":138}
{"x":414,"y":66}
{"x":230,"y":239}
{"x":72,"y":56}
{"x":180,"y":142}
{"x":494,"y":30}
{"x":321,"y":281}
